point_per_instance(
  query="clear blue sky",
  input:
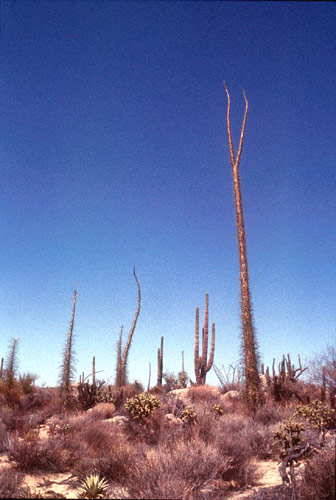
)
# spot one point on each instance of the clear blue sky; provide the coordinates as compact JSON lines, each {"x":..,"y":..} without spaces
{"x":114,"y":154}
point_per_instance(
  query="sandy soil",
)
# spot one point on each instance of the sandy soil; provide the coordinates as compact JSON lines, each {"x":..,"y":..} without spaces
{"x":269,"y":477}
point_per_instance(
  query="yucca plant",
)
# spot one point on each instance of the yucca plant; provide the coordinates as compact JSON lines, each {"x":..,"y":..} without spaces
{"x":93,"y":487}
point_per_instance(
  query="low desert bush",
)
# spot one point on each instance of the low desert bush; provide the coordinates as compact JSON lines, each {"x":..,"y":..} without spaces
{"x":259,"y":439}
{"x":15,"y":420}
{"x":318,"y":477}
{"x":176,"y":473}
{"x":149,"y":433}
{"x":106,"y":454}
{"x":10,"y":480}
{"x":272,"y":413}
{"x":3,"y":436}
{"x":233,"y":440}
{"x":202,"y":394}
{"x":101,"y":411}
{"x":49,"y":455}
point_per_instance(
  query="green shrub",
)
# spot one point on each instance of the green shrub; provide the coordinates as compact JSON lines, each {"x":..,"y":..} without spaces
{"x":142,"y":406}
{"x":318,"y":415}
{"x":218,"y":410}
{"x":188,"y":415}
{"x":289,"y":435}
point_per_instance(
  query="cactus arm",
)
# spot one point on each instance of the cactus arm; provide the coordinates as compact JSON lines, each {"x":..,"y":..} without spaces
{"x":212,"y":349}
{"x":196,"y":349}
{"x":205,"y":332}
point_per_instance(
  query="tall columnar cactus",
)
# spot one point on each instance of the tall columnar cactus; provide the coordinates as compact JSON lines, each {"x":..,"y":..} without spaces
{"x":149,"y":375}
{"x":11,"y":364}
{"x":160,"y":364}
{"x":121,"y":375}
{"x":94,"y":370}
{"x":67,"y":366}
{"x":249,"y":343}
{"x":1,"y":368}
{"x":201,"y":365}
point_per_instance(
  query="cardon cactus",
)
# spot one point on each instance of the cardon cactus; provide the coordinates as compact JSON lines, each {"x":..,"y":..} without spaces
{"x":201,"y":365}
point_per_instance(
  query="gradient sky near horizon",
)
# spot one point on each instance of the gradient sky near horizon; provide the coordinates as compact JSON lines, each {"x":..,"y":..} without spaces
{"x":114,"y":154}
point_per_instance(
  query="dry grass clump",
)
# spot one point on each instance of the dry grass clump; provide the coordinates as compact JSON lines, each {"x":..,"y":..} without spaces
{"x":318,"y":477}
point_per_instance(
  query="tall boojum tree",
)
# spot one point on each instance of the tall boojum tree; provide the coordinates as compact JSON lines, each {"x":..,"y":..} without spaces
{"x":67,"y":366}
{"x":121,"y":375}
{"x":249,"y":341}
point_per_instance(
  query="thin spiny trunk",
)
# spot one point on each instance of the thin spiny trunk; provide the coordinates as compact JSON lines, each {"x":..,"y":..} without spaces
{"x":251,"y":367}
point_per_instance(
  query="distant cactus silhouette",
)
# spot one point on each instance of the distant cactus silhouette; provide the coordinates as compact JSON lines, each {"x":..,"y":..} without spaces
{"x":11,"y":364}
{"x":201,"y":365}
{"x":160,"y":364}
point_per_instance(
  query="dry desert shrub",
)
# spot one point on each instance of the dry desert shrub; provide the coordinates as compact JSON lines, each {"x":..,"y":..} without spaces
{"x":48,"y":455}
{"x":205,"y":394}
{"x":149,"y":432}
{"x":10,"y":480}
{"x":272,"y":413}
{"x":3,"y":436}
{"x":318,"y":477}
{"x":179,"y":472}
{"x":259,"y":439}
{"x":234,"y":441}
{"x":106,"y":453}
{"x":102,"y":411}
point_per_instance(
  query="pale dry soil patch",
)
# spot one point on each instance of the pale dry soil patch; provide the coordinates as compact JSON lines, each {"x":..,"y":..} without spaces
{"x":269,"y":477}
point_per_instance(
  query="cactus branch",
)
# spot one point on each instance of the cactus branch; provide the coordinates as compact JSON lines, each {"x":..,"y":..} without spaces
{"x":196,"y":349}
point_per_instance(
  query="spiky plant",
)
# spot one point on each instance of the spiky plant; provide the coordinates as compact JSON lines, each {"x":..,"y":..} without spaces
{"x":249,"y":341}
{"x":67,"y":366}
{"x":93,"y":487}
{"x":121,"y":375}
{"x":201,"y":364}
{"x":118,"y":380}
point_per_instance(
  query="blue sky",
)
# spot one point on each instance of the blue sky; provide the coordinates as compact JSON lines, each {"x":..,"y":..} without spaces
{"x":114,"y":154}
